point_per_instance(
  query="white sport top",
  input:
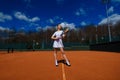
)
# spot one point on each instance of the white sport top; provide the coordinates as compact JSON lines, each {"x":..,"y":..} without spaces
{"x":58,"y":43}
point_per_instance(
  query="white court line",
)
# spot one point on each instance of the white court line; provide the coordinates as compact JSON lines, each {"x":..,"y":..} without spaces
{"x":63,"y":72}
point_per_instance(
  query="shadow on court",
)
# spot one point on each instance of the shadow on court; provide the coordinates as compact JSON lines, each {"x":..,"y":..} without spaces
{"x":62,"y":61}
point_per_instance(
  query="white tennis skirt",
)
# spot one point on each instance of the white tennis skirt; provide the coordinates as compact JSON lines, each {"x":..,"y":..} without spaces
{"x":58,"y":44}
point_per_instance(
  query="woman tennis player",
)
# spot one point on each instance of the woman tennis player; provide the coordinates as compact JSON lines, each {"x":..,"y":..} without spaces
{"x":58,"y":44}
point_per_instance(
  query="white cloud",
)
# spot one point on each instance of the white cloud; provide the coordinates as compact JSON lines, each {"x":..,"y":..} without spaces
{"x":111,"y":10}
{"x":34,"y":25}
{"x":83,"y":12}
{"x":80,"y":12}
{"x":69,"y":25}
{"x":113,"y":19}
{"x":38,"y":28}
{"x":55,"y":19}
{"x":48,"y":27}
{"x":77,"y":13}
{"x":34,"y":19}
{"x":83,"y":23}
{"x":58,"y":18}
{"x":104,"y":21}
{"x":23,"y":17}
{"x":4,"y":29}
{"x":4,"y":17}
{"x":51,"y":21}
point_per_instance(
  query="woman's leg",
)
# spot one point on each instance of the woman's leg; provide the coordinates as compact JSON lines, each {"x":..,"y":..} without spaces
{"x":55,"y":55}
{"x":64,"y":56}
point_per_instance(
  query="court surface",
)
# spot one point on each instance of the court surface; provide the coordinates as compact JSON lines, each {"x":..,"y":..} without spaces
{"x":39,"y":65}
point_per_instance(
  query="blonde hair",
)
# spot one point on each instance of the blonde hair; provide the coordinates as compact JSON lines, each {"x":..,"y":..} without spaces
{"x":60,"y":25}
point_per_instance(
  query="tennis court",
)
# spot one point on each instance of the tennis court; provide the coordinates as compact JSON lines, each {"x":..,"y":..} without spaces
{"x":39,"y":65}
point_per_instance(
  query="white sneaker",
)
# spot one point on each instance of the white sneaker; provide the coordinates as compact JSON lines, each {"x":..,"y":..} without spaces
{"x":68,"y":63}
{"x":56,"y":62}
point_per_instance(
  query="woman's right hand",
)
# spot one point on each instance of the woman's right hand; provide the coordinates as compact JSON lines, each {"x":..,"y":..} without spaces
{"x":57,"y":38}
{"x":54,"y":38}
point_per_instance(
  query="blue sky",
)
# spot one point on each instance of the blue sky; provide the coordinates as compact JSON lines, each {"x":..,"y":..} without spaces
{"x":34,"y":14}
